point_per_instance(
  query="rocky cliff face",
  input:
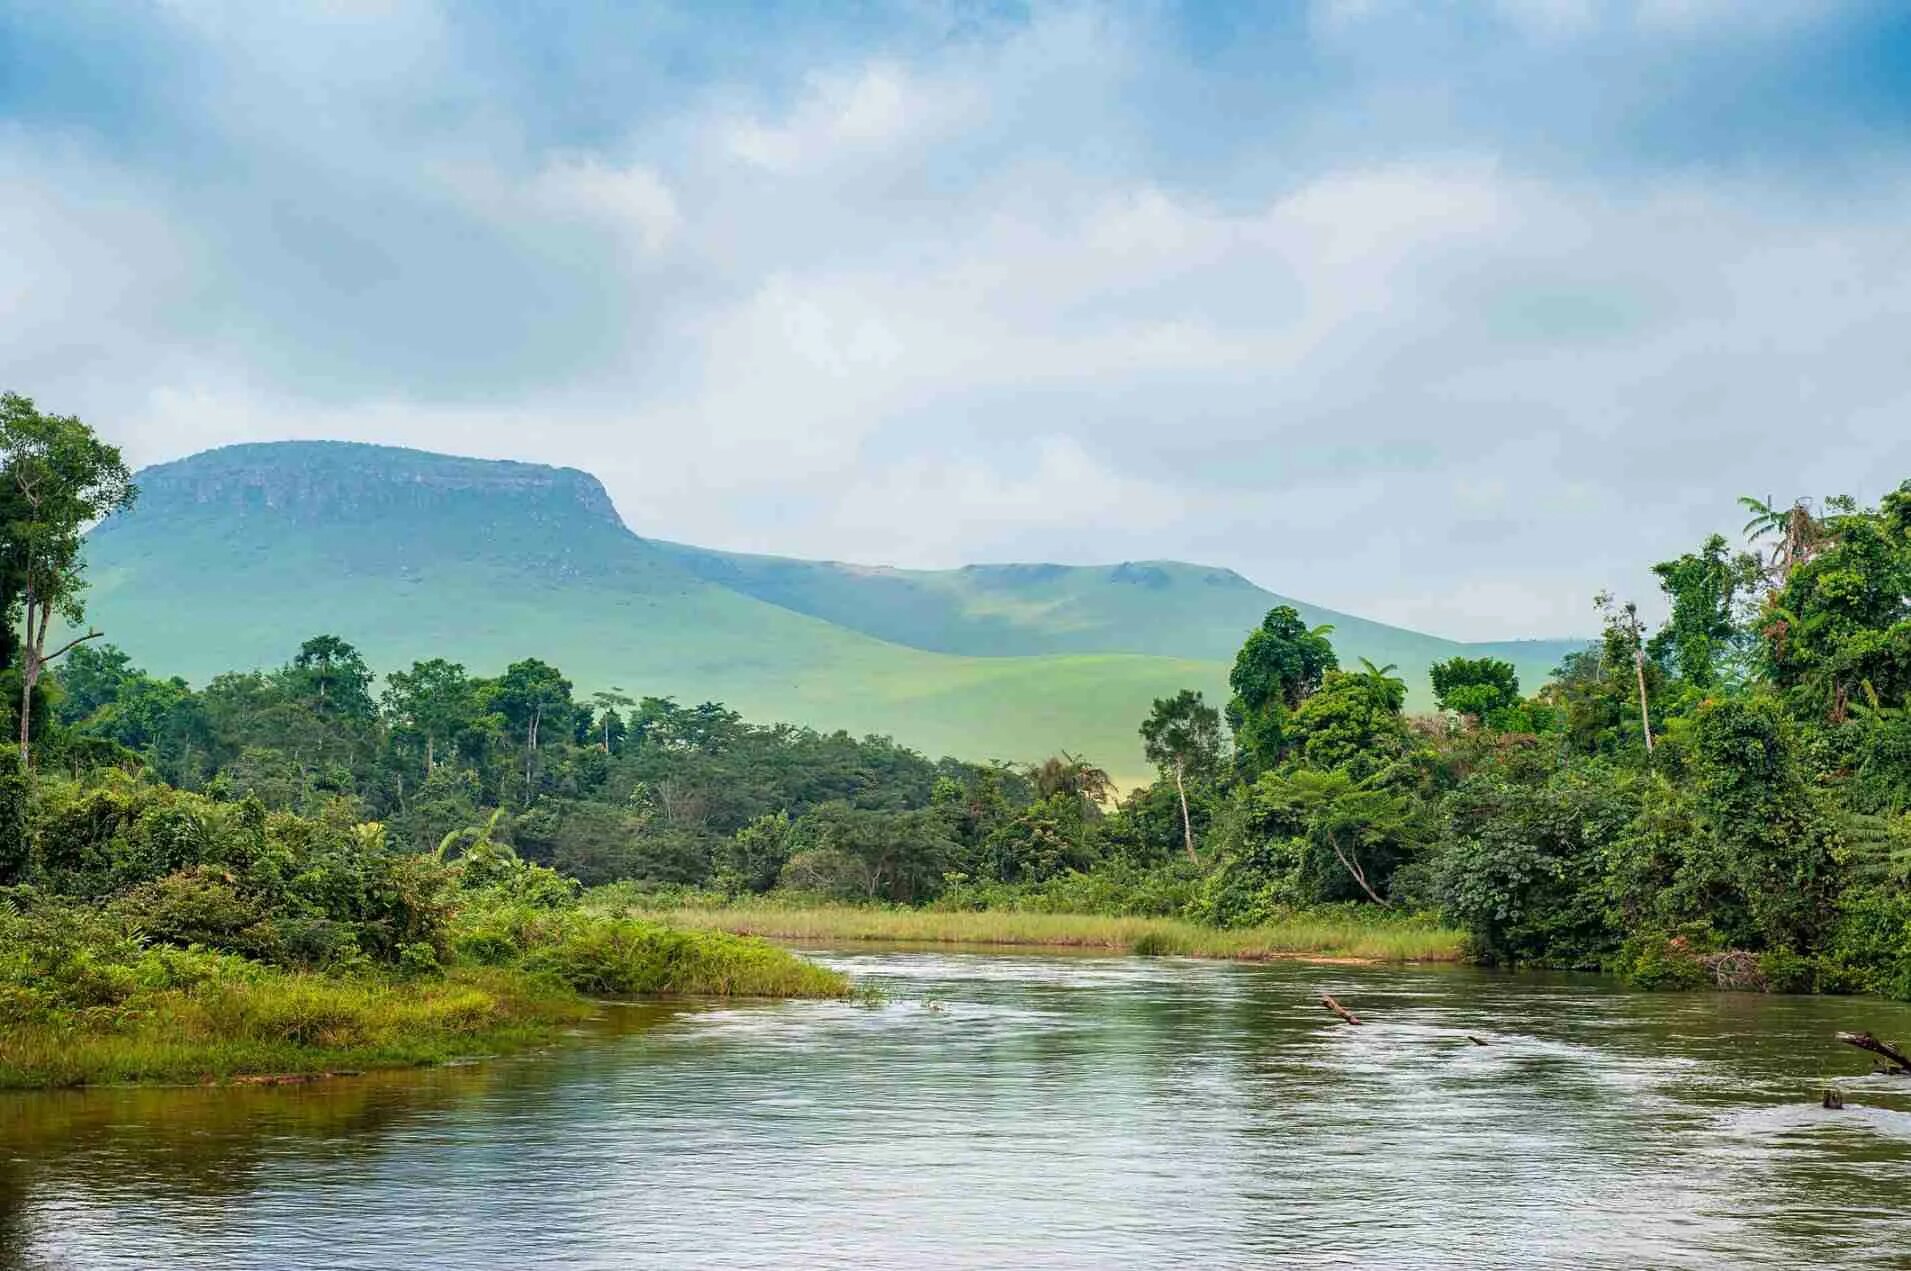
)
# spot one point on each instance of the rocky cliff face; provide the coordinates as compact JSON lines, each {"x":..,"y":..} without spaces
{"x":320,"y":482}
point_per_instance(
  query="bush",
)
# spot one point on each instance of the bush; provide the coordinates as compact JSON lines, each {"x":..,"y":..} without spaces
{"x":1656,"y":960}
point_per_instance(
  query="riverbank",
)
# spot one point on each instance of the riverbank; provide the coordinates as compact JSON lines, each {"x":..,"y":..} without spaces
{"x":86,"y":1005}
{"x":1323,"y":936}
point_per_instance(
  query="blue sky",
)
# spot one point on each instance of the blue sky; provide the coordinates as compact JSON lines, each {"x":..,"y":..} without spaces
{"x":1448,"y":314}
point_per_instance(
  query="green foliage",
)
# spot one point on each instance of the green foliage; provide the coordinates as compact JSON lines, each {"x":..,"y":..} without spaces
{"x":1702,"y":638}
{"x":15,"y":792}
{"x":1481,"y":688}
{"x":1760,"y":842}
{"x":1282,"y":663}
{"x":1521,"y":867}
{"x":1182,"y":734}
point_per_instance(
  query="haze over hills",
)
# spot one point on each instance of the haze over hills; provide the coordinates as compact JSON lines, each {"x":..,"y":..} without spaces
{"x":234,"y":556}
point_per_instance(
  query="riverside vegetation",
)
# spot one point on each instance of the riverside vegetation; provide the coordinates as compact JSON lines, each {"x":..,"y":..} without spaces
{"x":1726,"y":800}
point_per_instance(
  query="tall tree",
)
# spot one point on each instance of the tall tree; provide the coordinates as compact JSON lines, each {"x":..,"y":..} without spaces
{"x":1282,"y":664}
{"x":1796,"y":533}
{"x":609,"y":721}
{"x":1704,"y":587}
{"x":1625,"y":638}
{"x":333,"y":674}
{"x":1474,"y":687}
{"x":434,"y":701}
{"x":528,"y":694}
{"x":60,"y":479}
{"x":1182,"y":737}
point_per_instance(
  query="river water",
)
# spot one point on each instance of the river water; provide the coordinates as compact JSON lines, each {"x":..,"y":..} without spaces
{"x":1029,"y":1111}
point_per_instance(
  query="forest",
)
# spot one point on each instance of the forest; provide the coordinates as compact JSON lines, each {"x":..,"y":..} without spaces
{"x":1724,"y":800}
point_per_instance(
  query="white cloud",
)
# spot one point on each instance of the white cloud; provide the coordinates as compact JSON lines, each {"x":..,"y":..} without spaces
{"x":940,"y":309}
{"x":632,"y":199}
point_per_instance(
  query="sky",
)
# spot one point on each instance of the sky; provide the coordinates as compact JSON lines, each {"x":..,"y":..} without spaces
{"x":1445,"y":314}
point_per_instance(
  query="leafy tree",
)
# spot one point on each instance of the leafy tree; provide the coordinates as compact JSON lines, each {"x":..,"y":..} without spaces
{"x":1281,"y":664}
{"x":1182,"y":737}
{"x":333,"y":676}
{"x":1522,"y":867}
{"x":526,"y":695}
{"x":610,"y":723}
{"x":1624,"y":643}
{"x":60,"y":478}
{"x":1839,"y":630}
{"x":434,"y":701}
{"x":1353,"y":724}
{"x":1478,"y":688}
{"x":1772,"y":843}
{"x":755,"y":855}
{"x":896,"y":856}
{"x":93,"y":676}
{"x":1701,"y":635}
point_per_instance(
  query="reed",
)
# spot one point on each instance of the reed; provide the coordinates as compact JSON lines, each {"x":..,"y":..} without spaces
{"x":1299,"y":936}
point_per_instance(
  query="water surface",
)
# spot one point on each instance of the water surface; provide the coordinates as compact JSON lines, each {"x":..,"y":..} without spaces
{"x":1027,"y":1111}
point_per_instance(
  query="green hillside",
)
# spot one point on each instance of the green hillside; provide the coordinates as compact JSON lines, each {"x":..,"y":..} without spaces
{"x":1167,"y":608}
{"x":236,"y":555}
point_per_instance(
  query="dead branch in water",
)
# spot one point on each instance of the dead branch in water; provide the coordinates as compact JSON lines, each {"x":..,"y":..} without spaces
{"x":1865,"y":1041}
{"x":1328,"y":1001}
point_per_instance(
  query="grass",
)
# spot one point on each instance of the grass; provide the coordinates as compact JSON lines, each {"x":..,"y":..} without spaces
{"x":130,"y":1014}
{"x":285,"y":1023}
{"x":1299,"y":936}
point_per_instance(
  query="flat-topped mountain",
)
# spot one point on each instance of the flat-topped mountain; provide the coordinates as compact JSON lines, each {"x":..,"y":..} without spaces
{"x":234,"y":556}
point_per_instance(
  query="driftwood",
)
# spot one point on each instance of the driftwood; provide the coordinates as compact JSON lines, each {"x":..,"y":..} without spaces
{"x":1476,"y":1041}
{"x":1865,"y":1041}
{"x":1328,"y":1001}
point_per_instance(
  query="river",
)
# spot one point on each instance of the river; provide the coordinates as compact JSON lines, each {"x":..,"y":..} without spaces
{"x":1017,"y":1110}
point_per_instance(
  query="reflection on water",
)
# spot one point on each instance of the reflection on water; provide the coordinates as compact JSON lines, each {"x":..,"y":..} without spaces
{"x":1009,"y":1110}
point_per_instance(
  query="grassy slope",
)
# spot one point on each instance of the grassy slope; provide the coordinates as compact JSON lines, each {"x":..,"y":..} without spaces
{"x":1165,"y":608}
{"x":237,"y":555}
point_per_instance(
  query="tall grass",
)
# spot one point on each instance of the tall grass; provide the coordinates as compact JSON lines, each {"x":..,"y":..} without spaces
{"x":82,"y":1002}
{"x":600,"y":953}
{"x":283,"y":1023}
{"x":1301,"y":935}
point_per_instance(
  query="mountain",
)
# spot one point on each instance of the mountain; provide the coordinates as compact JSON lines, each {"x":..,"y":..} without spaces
{"x":234,"y":556}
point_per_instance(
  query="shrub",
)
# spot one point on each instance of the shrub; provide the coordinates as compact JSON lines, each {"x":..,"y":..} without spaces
{"x":1656,"y":960}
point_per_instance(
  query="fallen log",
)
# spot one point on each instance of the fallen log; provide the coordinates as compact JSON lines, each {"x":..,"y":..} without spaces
{"x":1328,"y":1001}
{"x":1865,"y":1041}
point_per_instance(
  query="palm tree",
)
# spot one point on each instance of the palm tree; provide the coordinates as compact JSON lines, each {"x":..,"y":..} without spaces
{"x":1069,"y":774}
{"x":1384,"y":681}
{"x":1799,"y":533}
{"x":476,"y":842}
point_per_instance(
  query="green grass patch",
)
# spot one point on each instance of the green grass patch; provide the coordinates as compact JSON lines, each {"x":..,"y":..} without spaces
{"x":83,"y":1001}
{"x":1299,"y":936}
{"x":272,"y":1022}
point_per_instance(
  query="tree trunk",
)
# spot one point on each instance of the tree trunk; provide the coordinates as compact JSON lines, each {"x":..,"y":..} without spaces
{"x":1645,"y":714}
{"x":1353,"y":867}
{"x":1865,"y":1041}
{"x":1187,"y":826}
{"x":429,"y":764}
{"x":1327,"y":1000}
{"x":34,"y":659}
{"x":29,"y":676}
{"x":530,"y":754}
